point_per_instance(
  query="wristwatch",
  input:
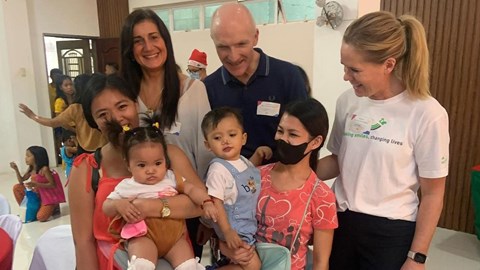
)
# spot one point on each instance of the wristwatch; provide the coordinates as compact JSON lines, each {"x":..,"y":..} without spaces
{"x":165,"y":210}
{"x":417,"y":257}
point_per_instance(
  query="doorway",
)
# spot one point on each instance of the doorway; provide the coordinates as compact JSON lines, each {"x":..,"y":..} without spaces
{"x":72,"y":56}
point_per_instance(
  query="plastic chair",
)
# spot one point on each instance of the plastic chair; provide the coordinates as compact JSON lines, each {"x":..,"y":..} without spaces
{"x":54,"y":250}
{"x":4,"y":205}
{"x":12,"y":224}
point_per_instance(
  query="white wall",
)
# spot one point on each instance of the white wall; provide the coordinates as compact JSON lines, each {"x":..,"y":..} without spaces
{"x":367,"y":6}
{"x":8,"y":151}
{"x":23,"y":78}
{"x":328,"y":81}
{"x":17,"y":75}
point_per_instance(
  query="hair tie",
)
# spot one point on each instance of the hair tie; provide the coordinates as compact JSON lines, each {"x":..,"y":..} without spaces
{"x":125,"y":128}
{"x":156,"y":124}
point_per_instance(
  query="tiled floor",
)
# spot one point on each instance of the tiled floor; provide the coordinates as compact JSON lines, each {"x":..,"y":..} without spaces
{"x":449,"y":249}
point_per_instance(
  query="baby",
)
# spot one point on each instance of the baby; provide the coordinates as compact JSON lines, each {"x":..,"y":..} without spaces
{"x":144,"y":150}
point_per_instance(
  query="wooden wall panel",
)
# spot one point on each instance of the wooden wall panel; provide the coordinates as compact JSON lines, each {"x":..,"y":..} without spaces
{"x":107,"y":51}
{"x":111,"y":14}
{"x":452,"y":29}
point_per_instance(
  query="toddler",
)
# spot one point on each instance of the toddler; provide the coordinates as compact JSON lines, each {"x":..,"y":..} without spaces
{"x":232,"y":180}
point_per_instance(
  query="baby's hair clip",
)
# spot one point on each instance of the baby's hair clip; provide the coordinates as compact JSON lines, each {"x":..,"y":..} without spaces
{"x":156,"y":124}
{"x":125,"y":128}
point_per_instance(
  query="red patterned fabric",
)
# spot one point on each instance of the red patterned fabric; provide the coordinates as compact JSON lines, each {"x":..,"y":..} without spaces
{"x":279,"y":214}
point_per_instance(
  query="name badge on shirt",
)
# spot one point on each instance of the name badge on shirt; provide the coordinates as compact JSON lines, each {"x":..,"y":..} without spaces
{"x":174,"y":129}
{"x":268,"y":108}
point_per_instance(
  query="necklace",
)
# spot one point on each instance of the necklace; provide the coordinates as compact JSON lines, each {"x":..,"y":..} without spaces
{"x":149,"y":112}
{"x":152,"y":103}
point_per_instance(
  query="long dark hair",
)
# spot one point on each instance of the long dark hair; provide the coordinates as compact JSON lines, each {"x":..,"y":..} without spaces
{"x":132,"y":71}
{"x":79,"y":84}
{"x":41,"y":157}
{"x":313,"y":116}
{"x":97,"y":83}
{"x":58,"y":87}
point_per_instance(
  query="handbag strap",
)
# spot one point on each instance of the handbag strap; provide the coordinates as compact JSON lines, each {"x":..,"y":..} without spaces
{"x":304,"y":214}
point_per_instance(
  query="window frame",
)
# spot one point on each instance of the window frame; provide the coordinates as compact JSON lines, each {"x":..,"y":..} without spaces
{"x":202,"y":20}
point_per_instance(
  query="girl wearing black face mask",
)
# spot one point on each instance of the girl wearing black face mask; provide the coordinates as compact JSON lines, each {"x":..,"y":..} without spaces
{"x":286,"y":187}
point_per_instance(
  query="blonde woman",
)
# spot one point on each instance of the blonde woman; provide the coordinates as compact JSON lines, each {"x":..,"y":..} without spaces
{"x":389,"y":139}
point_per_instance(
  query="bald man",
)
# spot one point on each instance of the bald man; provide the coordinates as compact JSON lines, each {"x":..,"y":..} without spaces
{"x":258,"y":85}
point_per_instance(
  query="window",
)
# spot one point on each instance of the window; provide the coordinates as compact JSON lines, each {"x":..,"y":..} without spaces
{"x":298,"y":10}
{"x":186,"y":18}
{"x":263,"y":12}
{"x":163,"y":14}
{"x":209,"y":10}
{"x":72,"y":62}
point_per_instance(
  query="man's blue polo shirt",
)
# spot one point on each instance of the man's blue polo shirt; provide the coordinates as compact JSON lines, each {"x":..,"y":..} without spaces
{"x":274,"y":82}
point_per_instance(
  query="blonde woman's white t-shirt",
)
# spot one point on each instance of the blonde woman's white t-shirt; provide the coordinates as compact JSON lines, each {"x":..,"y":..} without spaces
{"x":383,"y":147}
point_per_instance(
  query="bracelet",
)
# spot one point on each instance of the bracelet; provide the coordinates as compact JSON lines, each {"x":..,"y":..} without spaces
{"x":204,"y":202}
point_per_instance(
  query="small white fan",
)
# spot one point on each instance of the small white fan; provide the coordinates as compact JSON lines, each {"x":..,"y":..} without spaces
{"x":332,"y":13}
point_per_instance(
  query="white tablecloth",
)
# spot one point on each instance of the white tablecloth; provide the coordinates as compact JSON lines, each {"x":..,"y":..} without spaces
{"x":54,"y":250}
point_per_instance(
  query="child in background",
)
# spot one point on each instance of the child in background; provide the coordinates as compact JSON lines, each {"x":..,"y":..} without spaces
{"x":43,"y":180}
{"x":233,"y":181}
{"x":64,"y":98}
{"x":52,"y":88}
{"x":144,"y":150}
{"x":88,"y":139}
{"x":68,"y":151}
{"x":65,"y":92}
{"x":111,"y":68}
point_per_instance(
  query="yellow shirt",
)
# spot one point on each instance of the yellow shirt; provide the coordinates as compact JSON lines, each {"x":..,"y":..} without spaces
{"x":88,"y":138}
{"x":52,"y":94}
{"x":60,"y":105}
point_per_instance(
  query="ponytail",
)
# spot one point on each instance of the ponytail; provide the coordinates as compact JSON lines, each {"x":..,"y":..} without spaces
{"x":415,"y":64}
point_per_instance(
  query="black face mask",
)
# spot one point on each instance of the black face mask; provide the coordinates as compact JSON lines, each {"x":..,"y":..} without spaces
{"x":290,"y":154}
